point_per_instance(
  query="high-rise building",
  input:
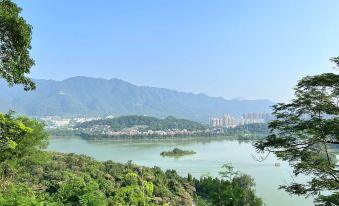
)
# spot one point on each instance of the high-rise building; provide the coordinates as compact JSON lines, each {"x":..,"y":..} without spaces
{"x":226,"y":121}
{"x":247,"y":118}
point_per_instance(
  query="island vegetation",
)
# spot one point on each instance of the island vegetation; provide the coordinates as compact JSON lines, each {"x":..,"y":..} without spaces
{"x":176,"y":152}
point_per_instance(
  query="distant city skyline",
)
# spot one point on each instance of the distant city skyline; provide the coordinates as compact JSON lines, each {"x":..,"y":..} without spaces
{"x":247,"y":49}
{"x":228,"y":120}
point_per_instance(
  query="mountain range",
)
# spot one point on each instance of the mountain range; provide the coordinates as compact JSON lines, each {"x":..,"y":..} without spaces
{"x":86,"y":96}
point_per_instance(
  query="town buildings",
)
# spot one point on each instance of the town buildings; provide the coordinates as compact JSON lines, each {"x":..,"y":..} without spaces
{"x":247,"y":118}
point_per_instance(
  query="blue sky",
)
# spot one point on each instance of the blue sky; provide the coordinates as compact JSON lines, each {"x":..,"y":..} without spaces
{"x":249,"y":49}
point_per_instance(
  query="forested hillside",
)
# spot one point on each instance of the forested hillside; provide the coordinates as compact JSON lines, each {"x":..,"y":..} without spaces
{"x":150,"y":123}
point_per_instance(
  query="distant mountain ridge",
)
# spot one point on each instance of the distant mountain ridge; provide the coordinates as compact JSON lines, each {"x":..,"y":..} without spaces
{"x":80,"y":96}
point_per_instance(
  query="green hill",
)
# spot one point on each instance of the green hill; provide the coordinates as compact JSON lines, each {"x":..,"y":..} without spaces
{"x":149,"y":123}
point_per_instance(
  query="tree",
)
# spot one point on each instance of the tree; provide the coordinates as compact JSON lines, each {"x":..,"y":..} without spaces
{"x":15,"y":62}
{"x":12,"y":130}
{"x":304,"y":132}
{"x":20,"y":136}
{"x":78,"y":190}
{"x":15,"y":44}
{"x":19,"y":194}
{"x":233,"y":189}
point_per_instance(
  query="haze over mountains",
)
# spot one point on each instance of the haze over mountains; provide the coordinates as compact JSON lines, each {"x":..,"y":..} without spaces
{"x":85,"y":96}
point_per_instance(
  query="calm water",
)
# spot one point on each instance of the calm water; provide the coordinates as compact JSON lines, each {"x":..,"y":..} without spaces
{"x":211,"y":155}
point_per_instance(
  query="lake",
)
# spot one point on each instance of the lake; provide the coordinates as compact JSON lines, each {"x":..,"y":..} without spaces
{"x":210,"y":155}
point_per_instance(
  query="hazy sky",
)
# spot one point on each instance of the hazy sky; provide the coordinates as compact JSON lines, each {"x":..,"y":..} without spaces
{"x":249,"y":49}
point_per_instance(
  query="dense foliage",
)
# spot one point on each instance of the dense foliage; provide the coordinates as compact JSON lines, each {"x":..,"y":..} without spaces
{"x":304,"y":130}
{"x":20,"y":136}
{"x":151,"y":123}
{"x":255,"y":128}
{"x":249,"y":131}
{"x":71,"y":179}
{"x":232,"y":189}
{"x":15,"y":44}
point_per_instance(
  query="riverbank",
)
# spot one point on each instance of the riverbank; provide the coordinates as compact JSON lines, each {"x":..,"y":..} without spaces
{"x":208,"y":136}
{"x":90,"y":130}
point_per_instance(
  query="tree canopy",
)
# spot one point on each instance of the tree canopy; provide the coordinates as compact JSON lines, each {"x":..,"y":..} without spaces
{"x":15,"y":62}
{"x":305,"y":132}
{"x":20,"y":136}
{"x":15,"y":45}
{"x":233,"y":188}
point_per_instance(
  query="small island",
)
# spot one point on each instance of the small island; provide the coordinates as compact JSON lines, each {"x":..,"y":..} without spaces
{"x":176,"y":152}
